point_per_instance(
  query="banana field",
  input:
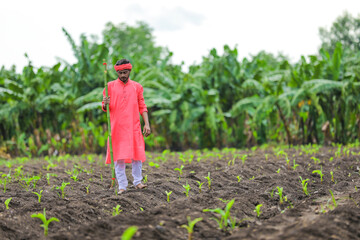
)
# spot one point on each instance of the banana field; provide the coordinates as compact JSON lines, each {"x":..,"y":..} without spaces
{"x":221,"y":102}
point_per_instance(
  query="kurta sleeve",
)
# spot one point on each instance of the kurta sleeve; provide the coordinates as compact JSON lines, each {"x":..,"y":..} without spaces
{"x":141,"y":100}
{"x":104,"y":95}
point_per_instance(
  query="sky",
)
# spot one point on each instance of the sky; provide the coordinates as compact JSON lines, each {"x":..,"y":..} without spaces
{"x":190,"y":29}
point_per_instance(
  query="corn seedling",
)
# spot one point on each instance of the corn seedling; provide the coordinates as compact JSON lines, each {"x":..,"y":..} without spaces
{"x":116,"y":210}
{"x":225,"y":219}
{"x":295,"y":165}
{"x":101,"y":177}
{"x":191,"y":158}
{"x":209,"y":180}
{"x":332,"y":176}
{"x":62,"y":188}
{"x":278,"y":171}
{"x":331,"y":159}
{"x":280,"y":193}
{"x":48,"y":175}
{"x":187,"y":189}
{"x":152,"y":164}
{"x":5,"y":179}
{"x":180,"y":170}
{"x":257,"y":210}
{"x":45,"y":224}
{"x":129,"y":233}
{"x":304,"y":184}
{"x":141,"y":209}
{"x":190,"y":226}
{"x":252,"y":178}
{"x":224,"y":200}
{"x":39,"y":194}
{"x":320,"y":174}
{"x":200,"y":185}
{"x":266,"y":156}
{"x":87,"y":189}
{"x":287,"y":162}
{"x":238,"y":178}
{"x":333,"y":198}
{"x":7,"y":201}
{"x":168,"y":196}
{"x":145,"y":179}
{"x":272,"y":193}
{"x":243,"y":158}
{"x":316,"y":160}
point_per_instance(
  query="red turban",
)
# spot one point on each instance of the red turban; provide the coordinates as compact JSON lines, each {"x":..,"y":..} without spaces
{"x":121,"y":67}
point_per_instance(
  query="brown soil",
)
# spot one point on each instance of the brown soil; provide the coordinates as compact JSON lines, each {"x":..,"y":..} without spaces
{"x":89,"y":216}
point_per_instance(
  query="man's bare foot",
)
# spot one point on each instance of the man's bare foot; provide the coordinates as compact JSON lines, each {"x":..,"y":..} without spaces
{"x":121,"y":191}
{"x":140,"y":186}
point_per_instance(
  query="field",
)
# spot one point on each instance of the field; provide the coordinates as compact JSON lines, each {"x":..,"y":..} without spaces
{"x":249,"y":177}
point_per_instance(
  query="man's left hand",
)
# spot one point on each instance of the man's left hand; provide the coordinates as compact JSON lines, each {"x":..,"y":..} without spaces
{"x":146,"y":130}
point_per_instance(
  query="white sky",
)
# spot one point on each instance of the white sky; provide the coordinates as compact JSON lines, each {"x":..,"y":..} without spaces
{"x":190,"y":29}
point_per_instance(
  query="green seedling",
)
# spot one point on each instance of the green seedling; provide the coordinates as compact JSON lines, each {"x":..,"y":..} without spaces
{"x":280,"y":193}
{"x":145,"y":179}
{"x":225,"y":218}
{"x":331,"y":159}
{"x":141,"y":209}
{"x":87,"y":189}
{"x":320,"y":174}
{"x":116,"y":210}
{"x":129,"y":233}
{"x":191,"y":158}
{"x":5,"y":179}
{"x":19,"y":171}
{"x":187,"y":189}
{"x":45,"y":224}
{"x":304,"y":184}
{"x":266,"y":157}
{"x":7,"y":201}
{"x":224,"y":200}
{"x":101,"y":177}
{"x":190,"y":226}
{"x":257,"y":210}
{"x":152,"y":164}
{"x":316,"y":160}
{"x":168,"y":195}
{"x":209,"y":180}
{"x":333,"y":198}
{"x":272,"y":193}
{"x":332,"y":176}
{"x":48,"y":175}
{"x":295,"y":165}
{"x":180,"y":170}
{"x":243,"y":158}
{"x":200,"y":185}
{"x":39,"y":194}
{"x":287,"y":162}
{"x":278,"y":171}
{"x":252,"y":178}
{"x":62,"y":188}
{"x":238,"y":178}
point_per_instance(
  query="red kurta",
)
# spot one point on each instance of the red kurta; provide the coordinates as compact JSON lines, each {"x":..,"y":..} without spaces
{"x":126,"y":102}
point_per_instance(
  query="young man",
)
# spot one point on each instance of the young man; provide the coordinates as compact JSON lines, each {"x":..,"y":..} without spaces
{"x":127,"y":101}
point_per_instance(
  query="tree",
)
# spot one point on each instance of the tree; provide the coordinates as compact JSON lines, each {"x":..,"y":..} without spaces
{"x":346,"y":30}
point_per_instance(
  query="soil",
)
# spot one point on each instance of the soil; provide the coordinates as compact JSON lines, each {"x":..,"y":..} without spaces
{"x":85,"y":215}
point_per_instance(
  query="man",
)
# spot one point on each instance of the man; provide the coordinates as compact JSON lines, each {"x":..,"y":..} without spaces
{"x":128,"y":144}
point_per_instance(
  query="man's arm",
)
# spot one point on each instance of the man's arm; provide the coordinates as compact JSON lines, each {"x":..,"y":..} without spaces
{"x":147,"y":129}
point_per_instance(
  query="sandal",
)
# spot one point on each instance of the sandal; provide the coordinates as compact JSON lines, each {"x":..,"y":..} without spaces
{"x":140,"y":186}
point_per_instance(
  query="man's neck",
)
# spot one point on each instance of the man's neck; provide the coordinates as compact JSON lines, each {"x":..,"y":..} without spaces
{"x":127,"y":80}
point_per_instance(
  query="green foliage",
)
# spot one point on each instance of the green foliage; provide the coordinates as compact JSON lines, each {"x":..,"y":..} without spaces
{"x":257,"y":210}
{"x":168,"y":195}
{"x":39,"y":194}
{"x":46,"y":223}
{"x":116,"y":210}
{"x":225,"y":220}
{"x":209,"y":180}
{"x":187,"y":189}
{"x":319,"y":172}
{"x":222,"y":101}
{"x":62,"y":188}
{"x":7,"y":201}
{"x":190,"y":226}
{"x":304,"y":184}
{"x":129,"y":233}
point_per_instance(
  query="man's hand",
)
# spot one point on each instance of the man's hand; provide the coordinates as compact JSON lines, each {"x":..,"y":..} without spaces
{"x":106,"y":101}
{"x":146,"y":130}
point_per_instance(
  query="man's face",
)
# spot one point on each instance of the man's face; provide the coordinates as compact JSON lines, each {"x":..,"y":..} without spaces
{"x":123,"y":75}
